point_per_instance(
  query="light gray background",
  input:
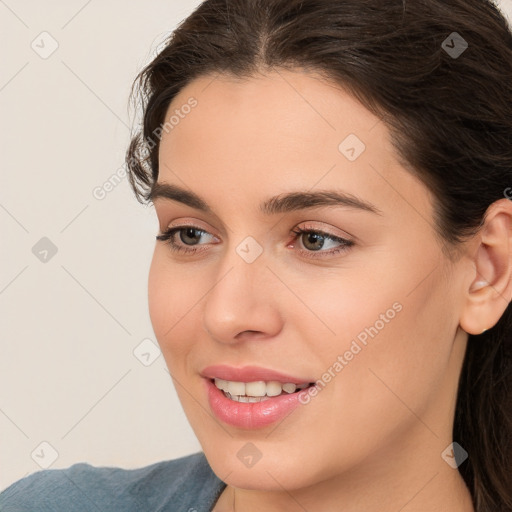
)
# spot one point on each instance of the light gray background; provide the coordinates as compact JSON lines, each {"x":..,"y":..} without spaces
{"x":75,"y":382}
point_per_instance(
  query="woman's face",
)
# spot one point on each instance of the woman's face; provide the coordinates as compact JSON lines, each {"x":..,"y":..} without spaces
{"x":369,"y":310}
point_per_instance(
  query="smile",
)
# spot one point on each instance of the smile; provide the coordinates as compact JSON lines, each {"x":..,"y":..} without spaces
{"x":257,"y":391}
{"x":252,"y":397}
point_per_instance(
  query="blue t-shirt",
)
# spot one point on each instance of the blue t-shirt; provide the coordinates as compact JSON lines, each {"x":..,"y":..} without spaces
{"x":187,"y":484}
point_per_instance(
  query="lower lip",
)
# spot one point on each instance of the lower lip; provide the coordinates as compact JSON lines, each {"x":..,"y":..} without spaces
{"x":251,"y":415}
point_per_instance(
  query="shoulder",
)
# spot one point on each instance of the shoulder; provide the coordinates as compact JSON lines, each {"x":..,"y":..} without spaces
{"x":187,"y":483}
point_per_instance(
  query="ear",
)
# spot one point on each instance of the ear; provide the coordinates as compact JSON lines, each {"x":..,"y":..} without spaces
{"x":490,"y":291}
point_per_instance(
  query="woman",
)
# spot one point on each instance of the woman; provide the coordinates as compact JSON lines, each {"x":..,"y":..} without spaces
{"x":331,"y":280}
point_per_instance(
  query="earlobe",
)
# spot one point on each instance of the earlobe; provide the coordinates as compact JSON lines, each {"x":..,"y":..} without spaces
{"x":489,"y":293}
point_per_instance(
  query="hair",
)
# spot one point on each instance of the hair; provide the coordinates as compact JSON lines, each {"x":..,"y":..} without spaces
{"x":450,"y":120}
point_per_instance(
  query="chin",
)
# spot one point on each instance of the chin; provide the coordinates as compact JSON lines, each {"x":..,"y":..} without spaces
{"x":261,"y":479}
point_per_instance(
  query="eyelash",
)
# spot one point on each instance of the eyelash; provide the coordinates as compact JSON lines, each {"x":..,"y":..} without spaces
{"x":168,"y":238}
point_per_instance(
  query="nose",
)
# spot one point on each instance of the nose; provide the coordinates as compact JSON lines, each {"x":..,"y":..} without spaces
{"x":242,"y":303}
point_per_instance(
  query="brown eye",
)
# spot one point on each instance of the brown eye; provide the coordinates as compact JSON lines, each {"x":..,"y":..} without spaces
{"x":190,"y":234}
{"x":312,"y":241}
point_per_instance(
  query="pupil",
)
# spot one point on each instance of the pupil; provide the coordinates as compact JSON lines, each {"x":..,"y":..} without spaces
{"x":312,"y":237}
{"x":189,"y":232}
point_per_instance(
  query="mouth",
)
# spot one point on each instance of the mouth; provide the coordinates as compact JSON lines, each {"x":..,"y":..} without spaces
{"x":252,"y":397}
{"x":257,"y":391}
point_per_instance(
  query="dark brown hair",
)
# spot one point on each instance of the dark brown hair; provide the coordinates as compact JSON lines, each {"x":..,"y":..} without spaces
{"x":450,"y":117}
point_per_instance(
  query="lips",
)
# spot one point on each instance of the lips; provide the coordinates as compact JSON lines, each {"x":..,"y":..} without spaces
{"x":250,"y":374}
{"x":251,"y":415}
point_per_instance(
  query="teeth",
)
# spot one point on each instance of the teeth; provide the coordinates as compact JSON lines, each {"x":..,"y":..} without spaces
{"x":258,"y":388}
{"x":250,"y":399}
{"x":274,"y":388}
{"x":289,"y":387}
{"x":221,"y":384}
{"x":236,"y":388}
{"x":256,"y":391}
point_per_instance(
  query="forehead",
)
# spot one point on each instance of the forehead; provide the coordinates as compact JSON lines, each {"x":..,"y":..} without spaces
{"x":279,"y":106}
{"x":284,"y":130}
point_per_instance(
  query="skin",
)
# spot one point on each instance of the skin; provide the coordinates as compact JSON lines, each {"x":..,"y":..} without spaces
{"x":372,"y":439}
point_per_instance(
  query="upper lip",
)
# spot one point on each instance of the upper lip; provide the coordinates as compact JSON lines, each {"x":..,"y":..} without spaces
{"x":249,"y":374}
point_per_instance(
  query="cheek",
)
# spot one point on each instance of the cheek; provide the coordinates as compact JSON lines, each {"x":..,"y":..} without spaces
{"x":402,"y":364}
{"x":173,"y":292}
{"x":392,"y":327}
{"x":349,"y":304}
{"x":158,"y":282}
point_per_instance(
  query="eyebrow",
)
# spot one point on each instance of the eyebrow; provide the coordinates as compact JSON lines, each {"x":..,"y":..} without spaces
{"x":286,"y":202}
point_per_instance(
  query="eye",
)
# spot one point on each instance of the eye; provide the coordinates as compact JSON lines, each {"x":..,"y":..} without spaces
{"x":314,"y":241}
{"x":188,"y":235}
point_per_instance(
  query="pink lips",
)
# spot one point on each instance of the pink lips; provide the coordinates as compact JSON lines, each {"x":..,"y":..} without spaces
{"x":249,"y":374}
{"x":250,"y":415}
